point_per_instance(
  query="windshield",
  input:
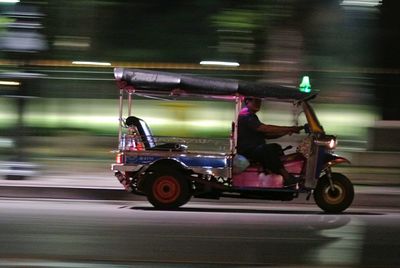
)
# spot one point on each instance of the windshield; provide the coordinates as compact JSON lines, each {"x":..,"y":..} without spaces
{"x":312,"y":120}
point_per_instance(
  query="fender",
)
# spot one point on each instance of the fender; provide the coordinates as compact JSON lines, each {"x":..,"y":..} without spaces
{"x":333,"y":159}
{"x":167,"y":163}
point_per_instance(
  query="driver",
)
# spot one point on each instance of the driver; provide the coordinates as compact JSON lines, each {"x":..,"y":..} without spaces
{"x":251,"y":140}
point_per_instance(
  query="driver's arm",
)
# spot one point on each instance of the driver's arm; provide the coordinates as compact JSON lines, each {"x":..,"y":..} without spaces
{"x":273,"y":132}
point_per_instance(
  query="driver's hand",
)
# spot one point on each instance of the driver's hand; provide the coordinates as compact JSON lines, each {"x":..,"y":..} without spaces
{"x":296,"y":129}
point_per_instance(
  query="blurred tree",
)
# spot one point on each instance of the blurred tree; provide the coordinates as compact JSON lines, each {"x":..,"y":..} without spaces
{"x":387,"y":85}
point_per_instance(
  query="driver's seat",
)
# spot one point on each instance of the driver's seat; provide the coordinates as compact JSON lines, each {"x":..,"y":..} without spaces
{"x":147,"y":136}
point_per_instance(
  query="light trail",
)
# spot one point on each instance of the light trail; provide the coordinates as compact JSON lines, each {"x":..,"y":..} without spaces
{"x":196,"y":66}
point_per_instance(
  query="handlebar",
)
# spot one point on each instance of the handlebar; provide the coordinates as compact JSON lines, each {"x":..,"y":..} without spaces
{"x":307,"y":128}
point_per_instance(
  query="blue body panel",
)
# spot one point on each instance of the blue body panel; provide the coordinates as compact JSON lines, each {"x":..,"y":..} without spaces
{"x":209,"y":162}
{"x":324,"y":156}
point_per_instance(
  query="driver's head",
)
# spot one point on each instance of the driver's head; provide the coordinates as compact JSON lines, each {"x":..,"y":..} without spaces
{"x":253,"y":104}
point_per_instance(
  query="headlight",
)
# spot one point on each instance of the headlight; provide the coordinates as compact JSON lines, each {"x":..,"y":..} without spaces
{"x":332,"y":143}
{"x":327,"y":141}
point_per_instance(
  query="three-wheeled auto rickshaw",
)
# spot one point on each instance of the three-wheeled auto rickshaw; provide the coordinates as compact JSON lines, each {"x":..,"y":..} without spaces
{"x":170,"y":173}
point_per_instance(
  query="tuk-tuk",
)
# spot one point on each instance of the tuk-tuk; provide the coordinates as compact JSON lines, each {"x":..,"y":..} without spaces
{"x":170,"y":173}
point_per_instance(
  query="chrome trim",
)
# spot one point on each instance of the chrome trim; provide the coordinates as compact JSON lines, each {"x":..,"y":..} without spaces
{"x":172,"y":154}
{"x":216,"y":172}
{"x":124,"y":168}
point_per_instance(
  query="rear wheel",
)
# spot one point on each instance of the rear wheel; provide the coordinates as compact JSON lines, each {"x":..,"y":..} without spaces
{"x":167,"y":190}
{"x":337,"y":198}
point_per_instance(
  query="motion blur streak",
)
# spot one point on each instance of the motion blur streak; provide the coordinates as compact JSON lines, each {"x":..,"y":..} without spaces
{"x":93,"y":63}
{"x":193,"y":66}
{"x":59,"y":123}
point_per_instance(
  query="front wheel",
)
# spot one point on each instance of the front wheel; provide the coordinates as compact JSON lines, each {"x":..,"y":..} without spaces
{"x":167,"y":190}
{"x":337,"y":198}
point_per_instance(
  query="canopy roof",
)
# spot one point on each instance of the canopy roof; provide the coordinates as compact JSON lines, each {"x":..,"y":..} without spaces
{"x":148,"y":81}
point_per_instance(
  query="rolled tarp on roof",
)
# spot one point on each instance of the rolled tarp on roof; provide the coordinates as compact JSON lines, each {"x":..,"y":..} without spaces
{"x":148,"y":80}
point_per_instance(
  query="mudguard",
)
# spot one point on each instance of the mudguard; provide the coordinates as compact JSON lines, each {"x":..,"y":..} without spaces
{"x":332,"y":160}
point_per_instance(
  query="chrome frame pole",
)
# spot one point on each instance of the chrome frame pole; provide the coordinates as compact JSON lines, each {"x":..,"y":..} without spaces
{"x":238,"y":107}
{"x":130,"y":103}
{"x":121,"y":104}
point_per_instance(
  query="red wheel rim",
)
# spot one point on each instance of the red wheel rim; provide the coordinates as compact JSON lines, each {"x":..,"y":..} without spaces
{"x":166,"y":189}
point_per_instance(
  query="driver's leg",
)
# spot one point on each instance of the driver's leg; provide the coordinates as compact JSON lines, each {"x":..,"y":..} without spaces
{"x":272,"y":161}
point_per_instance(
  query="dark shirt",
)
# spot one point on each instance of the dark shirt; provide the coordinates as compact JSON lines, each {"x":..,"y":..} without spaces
{"x":248,"y":136}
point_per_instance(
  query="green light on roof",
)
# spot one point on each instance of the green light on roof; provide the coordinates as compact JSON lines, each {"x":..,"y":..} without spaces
{"x":305,"y":85}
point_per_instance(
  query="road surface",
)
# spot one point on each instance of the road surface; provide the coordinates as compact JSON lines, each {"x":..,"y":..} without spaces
{"x":79,"y":233}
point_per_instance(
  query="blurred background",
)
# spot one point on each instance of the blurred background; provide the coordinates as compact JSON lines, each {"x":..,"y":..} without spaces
{"x":58,"y":99}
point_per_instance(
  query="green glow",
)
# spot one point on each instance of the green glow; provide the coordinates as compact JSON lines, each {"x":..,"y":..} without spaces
{"x":193,"y":119}
{"x":305,"y":85}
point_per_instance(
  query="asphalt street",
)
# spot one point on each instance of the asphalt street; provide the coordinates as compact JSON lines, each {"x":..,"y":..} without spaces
{"x":86,"y":219}
{"x":82,"y":233}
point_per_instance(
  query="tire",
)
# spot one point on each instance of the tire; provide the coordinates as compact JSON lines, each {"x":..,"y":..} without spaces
{"x":167,"y":190}
{"x":337,"y":200}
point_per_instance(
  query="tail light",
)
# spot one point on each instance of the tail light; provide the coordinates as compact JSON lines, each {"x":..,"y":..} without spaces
{"x":139,"y":146}
{"x":133,"y":143}
{"x":120,"y":158}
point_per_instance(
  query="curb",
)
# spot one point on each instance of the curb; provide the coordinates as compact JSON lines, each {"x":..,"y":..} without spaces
{"x":65,"y":193}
